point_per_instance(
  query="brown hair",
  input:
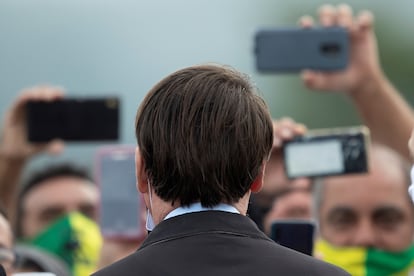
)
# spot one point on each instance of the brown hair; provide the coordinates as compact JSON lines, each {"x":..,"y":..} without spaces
{"x":203,"y":133}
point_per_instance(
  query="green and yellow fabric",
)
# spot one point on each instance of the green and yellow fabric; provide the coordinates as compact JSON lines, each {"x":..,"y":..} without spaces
{"x":74,"y":238}
{"x":360,"y":261}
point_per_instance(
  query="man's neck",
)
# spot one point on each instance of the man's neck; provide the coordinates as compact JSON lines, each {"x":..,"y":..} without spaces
{"x":243,"y":203}
{"x":160,"y":208}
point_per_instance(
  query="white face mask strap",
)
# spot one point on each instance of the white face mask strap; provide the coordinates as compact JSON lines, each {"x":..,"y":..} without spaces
{"x":150,"y":194}
{"x":149,"y":224}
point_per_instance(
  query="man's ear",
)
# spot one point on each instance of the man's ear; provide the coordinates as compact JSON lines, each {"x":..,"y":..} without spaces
{"x":140,"y":173}
{"x":257,"y":184}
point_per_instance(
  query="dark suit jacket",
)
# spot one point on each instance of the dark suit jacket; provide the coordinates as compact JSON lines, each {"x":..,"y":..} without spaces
{"x":214,"y":243}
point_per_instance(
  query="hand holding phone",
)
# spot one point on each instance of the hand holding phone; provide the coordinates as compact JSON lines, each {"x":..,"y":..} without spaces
{"x":14,"y":143}
{"x":296,"y":49}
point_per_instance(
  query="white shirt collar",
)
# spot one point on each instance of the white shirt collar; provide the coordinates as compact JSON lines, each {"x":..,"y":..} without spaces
{"x":197,"y":207}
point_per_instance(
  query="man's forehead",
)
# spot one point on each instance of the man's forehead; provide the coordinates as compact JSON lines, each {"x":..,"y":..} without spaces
{"x":367,"y":183}
{"x":359,"y":193}
{"x":62,"y":182}
{"x":61,"y":190}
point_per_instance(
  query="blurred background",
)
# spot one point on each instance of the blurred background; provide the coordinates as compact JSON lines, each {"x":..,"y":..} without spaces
{"x":124,"y":47}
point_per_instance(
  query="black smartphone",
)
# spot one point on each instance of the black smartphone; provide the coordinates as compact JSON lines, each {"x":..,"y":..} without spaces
{"x":325,"y":152}
{"x":295,"y":49}
{"x":73,"y":119}
{"x":294,"y":234}
{"x":122,"y":208}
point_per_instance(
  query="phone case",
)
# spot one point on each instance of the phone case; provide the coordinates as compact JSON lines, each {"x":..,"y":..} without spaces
{"x":122,"y":207}
{"x":294,"y":234}
{"x":73,"y":119}
{"x":295,"y":49}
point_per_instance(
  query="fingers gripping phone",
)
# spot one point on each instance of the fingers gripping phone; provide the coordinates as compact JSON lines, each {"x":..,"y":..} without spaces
{"x":327,"y":152}
{"x":73,"y":119}
{"x":295,"y":234}
{"x":122,"y":208}
{"x":295,"y":49}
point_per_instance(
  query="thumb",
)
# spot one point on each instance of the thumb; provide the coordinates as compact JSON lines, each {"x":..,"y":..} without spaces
{"x":313,"y":80}
{"x":322,"y":80}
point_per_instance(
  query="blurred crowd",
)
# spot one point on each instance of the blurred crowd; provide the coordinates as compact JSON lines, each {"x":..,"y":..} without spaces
{"x":50,"y":221}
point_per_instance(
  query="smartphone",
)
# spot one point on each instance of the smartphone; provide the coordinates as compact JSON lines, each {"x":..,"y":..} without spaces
{"x":326,"y":152}
{"x":295,"y":49}
{"x":295,"y":234}
{"x":122,"y":208}
{"x":73,"y":119}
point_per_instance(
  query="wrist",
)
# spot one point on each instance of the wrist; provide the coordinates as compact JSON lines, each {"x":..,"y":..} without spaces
{"x":12,"y":158}
{"x":369,"y":86}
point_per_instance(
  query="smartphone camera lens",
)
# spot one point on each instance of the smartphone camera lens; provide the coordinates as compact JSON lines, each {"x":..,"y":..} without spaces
{"x":330,"y":49}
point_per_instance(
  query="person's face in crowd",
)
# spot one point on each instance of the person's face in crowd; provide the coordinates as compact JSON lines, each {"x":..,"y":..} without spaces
{"x":294,"y":203}
{"x":54,"y":198}
{"x":275,"y":180}
{"x":6,"y":245}
{"x":370,"y":210}
{"x":286,"y":198}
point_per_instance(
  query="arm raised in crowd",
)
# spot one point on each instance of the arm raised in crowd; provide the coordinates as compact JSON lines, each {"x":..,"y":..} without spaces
{"x":381,"y":107}
{"x":15,"y":150}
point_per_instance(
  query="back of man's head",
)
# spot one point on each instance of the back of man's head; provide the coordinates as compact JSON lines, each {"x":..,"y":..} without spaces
{"x":204,"y":134}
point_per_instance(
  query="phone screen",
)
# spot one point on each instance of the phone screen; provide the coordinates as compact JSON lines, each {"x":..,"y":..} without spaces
{"x":120,"y":201}
{"x":314,"y":158}
{"x":296,"y":235}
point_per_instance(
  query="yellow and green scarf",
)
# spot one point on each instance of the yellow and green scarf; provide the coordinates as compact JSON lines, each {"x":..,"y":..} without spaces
{"x":361,"y":261}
